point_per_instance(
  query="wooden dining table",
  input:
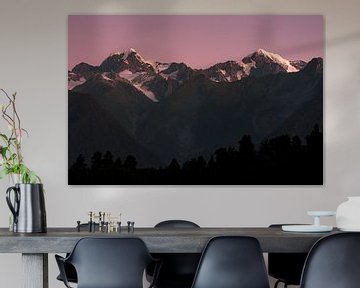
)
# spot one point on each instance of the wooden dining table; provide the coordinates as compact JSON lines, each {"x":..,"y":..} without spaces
{"x":35,"y":247}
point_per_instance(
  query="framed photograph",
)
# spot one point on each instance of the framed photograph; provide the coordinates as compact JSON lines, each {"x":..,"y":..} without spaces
{"x":195,"y":100}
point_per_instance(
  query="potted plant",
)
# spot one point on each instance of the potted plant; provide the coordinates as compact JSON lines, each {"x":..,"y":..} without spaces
{"x":26,"y":197}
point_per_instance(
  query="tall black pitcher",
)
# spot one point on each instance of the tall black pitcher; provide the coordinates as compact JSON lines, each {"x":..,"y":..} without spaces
{"x":27,"y":207}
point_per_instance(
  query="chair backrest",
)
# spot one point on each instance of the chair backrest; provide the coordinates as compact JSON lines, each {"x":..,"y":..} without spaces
{"x":232,"y":262}
{"x":333,"y":262}
{"x":110,"y":262}
{"x":176,"y":224}
{"x":178,"y":269}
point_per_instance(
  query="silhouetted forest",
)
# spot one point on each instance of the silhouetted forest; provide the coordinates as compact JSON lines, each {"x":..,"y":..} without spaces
{"x":282,"y":160}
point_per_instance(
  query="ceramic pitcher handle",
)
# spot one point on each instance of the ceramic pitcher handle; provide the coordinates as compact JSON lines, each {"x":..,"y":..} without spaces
{"x":13,"y":208}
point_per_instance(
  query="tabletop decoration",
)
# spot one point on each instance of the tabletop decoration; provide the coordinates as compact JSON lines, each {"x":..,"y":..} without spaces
{"x":348,"y":214}
{"x":315,"y":227}
{"x":25,"y":197}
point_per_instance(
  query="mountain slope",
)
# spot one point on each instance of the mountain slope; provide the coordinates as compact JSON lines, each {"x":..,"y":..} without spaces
{"x":92,"y":128}
{"x":119,"y":98}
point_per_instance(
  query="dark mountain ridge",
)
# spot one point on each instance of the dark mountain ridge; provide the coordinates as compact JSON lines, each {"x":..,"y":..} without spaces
{"x":164,"y":111}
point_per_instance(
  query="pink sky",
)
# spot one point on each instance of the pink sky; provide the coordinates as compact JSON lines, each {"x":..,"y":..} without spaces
{"x":199,"y":41}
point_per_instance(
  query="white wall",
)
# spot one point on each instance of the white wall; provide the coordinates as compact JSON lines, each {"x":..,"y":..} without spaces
{"x":33,"y":62}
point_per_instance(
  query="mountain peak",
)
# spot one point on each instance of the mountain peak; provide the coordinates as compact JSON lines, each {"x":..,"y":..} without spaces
{"x":261,"y":57}
{"x":128,"y":59}
{"x":83,"y":68}
{"x":125,"y":53}
{"x":314,"y":66}
{"x":131,"y":50}
{"x":128,"y":52}
{"x":262,"y":51}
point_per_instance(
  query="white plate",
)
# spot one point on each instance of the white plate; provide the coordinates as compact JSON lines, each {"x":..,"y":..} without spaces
{"x":306,"y":228}
{"x":321,"y":213}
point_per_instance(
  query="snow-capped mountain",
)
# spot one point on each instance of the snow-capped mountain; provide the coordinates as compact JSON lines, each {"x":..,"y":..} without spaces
{"x":262,"y":62}
{"x":176,"y":71}
{"x":127,"y":60}
{"x":225,"y":72}
{"x":158,"y":80}
{"x":130,"y":65}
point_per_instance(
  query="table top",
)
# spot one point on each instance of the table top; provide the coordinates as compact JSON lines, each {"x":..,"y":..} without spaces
{"x":158,"y":240}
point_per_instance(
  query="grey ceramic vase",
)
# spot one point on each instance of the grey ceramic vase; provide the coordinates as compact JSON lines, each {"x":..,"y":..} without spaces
{"x":27,"y":204}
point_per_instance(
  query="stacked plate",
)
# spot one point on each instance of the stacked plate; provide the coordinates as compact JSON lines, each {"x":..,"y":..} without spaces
{"x":316,"y":227}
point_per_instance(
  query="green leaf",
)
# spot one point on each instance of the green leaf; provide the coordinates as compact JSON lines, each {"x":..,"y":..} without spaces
{"x":33,"y":178}
{"x":4,"y":173}
{"x":4,"y":137}
{"x":3,"y":151}
{"x":27,"y":175}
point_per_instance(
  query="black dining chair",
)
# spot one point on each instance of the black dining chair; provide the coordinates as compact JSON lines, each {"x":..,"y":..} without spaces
{"x":232,"y":262}
{"x":178,"y":269}
{"x":286,"y":267}
{"x":108,"y":263}
{"x":333,"y":262}
{"x":70,"y":271}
